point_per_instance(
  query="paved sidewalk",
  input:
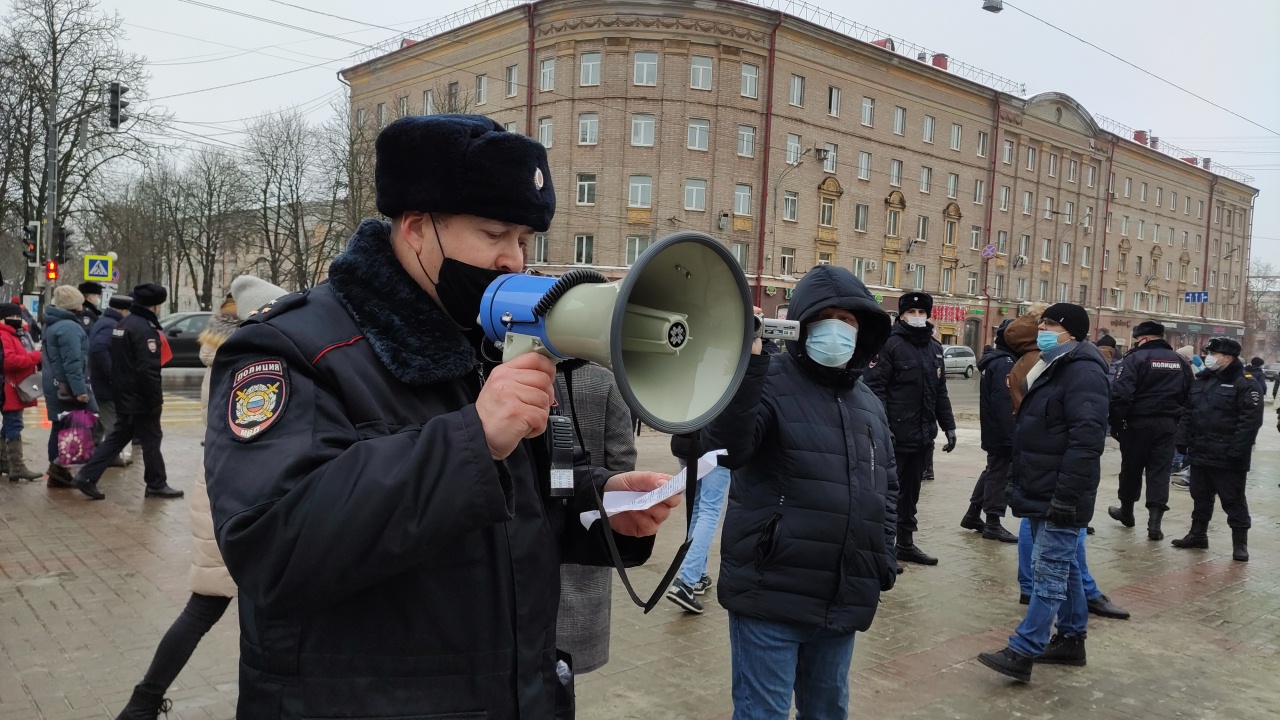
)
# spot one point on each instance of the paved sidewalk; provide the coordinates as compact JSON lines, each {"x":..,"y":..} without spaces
{"x":87,"y":589}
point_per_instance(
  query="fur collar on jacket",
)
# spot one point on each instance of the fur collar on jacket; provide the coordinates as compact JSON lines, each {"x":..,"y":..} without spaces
{"x":219,"y":328}
{"x":412,"y":337}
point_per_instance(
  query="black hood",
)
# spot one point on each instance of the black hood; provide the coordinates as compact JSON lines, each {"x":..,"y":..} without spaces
{"x":828,"y":286}
{"x":993,"y":355}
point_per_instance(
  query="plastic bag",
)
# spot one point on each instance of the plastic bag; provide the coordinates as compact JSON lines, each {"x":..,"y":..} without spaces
{"x":75,"y":438}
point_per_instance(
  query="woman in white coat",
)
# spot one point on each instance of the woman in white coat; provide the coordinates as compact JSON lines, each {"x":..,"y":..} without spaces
{"x":212,"y":588}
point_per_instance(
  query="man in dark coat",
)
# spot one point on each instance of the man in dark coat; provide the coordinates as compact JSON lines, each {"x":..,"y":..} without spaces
{"x":1148,"y":396}
{"x":100,"y":367}
{"x":1057,"y":451}
{"x":995,"y":410}
{"x":381,"y":496}
{"x":1259,"y":376}
{"x":89,"y":312}
{"x":910,"y":378}
{"x":1218,"y":435}
{"x":807,"y":538}
{"x":137,"y":346}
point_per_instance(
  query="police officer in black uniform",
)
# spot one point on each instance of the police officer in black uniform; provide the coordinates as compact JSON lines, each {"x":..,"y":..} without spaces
{"x":380,"y":493}
{"x":1218,"y":434}
{"x":910,"y":379}
{"x":1148,"y":397}
{"x":90,"y":312}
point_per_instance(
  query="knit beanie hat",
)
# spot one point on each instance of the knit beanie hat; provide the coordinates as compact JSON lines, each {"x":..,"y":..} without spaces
{"x":253,"y":293}
{"x":8,"y":310}
{"x":68,"y":298}
{"x":1073,"y":318}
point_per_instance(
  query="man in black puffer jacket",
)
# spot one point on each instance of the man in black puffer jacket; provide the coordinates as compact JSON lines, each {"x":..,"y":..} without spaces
{"x":995,"y":407}
{"x":1057,"y":452}
{"x":806,"y":546}
{"x":910,"y":379}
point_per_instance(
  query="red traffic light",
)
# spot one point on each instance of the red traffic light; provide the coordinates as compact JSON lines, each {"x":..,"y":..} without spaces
{"x":51,"y":271}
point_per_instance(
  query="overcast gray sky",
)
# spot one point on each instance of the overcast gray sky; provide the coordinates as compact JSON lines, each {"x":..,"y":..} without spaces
{"x":1224,"y":51}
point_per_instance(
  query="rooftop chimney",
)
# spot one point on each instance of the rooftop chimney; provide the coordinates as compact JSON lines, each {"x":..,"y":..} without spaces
{"x":1140,"y":137}
{"x":922,"y":56}
{"x":1206,"y":163}
{"x":940,"y":61}
{"x":1155,"y":143}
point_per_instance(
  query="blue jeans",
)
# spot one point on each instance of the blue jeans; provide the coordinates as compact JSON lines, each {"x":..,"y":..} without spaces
{"x":1091,"y":590}
{"x":712,"y":489}
{"x":11,"y":427}
{"x":772,"y":660}
{"x":1057,"y":590}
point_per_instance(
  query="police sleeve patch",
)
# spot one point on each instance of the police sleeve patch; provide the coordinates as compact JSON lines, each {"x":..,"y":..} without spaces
{"x":259,"y":393}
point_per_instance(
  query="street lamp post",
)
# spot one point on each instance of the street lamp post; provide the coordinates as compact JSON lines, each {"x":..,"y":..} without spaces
{"x":773,"y":224}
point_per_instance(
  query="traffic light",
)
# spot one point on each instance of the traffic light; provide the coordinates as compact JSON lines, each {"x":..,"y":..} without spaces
{"x":31,"y":243}
{"x":116,"y":104}
{"x":51,"y":271}
{"x":60,"y":250}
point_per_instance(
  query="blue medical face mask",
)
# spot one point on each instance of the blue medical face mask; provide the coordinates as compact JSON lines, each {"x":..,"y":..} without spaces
{"x":1047,"y":340}
{"x":830,"y":343}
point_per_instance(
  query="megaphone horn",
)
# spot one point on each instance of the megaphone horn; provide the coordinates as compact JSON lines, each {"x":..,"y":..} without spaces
{"x":676,"y":331}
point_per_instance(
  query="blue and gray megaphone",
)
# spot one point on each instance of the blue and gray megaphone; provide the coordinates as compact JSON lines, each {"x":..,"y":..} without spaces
{"x":676,"y":331}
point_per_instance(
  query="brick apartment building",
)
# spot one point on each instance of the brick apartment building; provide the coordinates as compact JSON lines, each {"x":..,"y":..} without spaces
{"x":797,"y":144}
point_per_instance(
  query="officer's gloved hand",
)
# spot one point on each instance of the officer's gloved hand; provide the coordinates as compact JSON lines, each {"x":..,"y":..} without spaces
{"x":1061,"y":514}
{"x":951,"y":441}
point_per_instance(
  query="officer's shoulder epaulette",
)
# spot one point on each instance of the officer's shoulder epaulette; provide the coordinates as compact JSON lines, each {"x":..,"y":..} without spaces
{"x":277,"y":307}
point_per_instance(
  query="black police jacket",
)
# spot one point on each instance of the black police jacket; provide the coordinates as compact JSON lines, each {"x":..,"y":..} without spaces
{"x":135,"y":363}
{"x":995,"y":405}
{"x":1225,"y":415}
{"x":100,"y":354}
{"x":388,"y":567}
{"x":1059,"y":436}
{"x":910,"y":379}
{"x":1150,"y":381}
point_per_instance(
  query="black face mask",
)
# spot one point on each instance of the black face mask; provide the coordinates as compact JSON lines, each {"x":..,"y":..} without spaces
{"x":460,"y":286}
{"x":13,"y":322}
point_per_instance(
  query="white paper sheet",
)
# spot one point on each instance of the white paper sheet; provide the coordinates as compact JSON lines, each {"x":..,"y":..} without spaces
{"x":628,"y":501}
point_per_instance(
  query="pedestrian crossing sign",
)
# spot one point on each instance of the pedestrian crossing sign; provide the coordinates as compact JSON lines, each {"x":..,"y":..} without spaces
{"x":98,"y":268}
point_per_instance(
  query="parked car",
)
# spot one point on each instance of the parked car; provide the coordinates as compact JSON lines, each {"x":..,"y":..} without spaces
{"x":959,"y":359}
{"x":1270,"y":370}
{"x":183,"y":332}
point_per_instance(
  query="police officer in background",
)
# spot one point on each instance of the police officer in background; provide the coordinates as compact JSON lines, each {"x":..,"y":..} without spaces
{"x":90,"y":312}
{"x":995,"y":410}
{"x":911,"y":381}
{"x":1218,"y":434}
{"x":1148,"y":398}
{"x":381,"y":493}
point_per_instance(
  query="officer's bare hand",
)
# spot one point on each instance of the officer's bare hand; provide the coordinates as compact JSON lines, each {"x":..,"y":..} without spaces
{"x":84,"y":398}
{"x":640,"y":523}
{"x":514,"y":402}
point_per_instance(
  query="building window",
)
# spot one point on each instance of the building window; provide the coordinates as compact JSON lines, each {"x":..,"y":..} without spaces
{"x":827,"y":212}
{"x":1200,"y":209}
{"x":796,"y":96}
{"x":833,"y":101}
{"x":1072,"y":167}
{"x":1048,"y":208}
{"x":790,"y":205}
{"x":1031,"y":159}
{"x":404,"y":107}
{"x":1173,"y":200}
{"x":509,"y":127}
{"x":1124,"y":263}
{"x":895,"y":173}
{"x":860,"y":213}
{"x":829,"y":162}
{"x":1195,"y":276}
{"x":1044,"y":290}
{"x":1022,"y":288}
{"x":586,"y":189}
{"x":1090,"y":174}
{"x":362,"y":117}
{"x":793,"y":149}
{"x":646,"y":69}
{"x":588,"y":129}
{"x":1024,"y":245}
{"x":636,"y":244}
{"x":511,"y":84}
{"x":1044,"y":250}
{"x":787,"y":261}
{"x":1002,"y":242}
{"x":1084,"y":295}
{"x":428,"y":103}
{"x":750,"y":80}
{"x":1128,"y":186}
{"x":926,"y":179}
{"x":1185,"y":237}
{"x":742,"y":200}
{"x":742,"y":253}
{"x":1182,"y":273}
{"x":1142,"y":229}
{"x":482,"y":89}
{"x":928,"y":128}
{"x":973,"y":283}
{"x":584,"y":249}
{"x":1006,"y":194}
{"x":953,"y":185}
{"x":382,"y":114}
{"x":695,"y":194}
{"x":979,"y":191}
{"x":548,"y":74}
{"x":1028,"y":202}
{"x":1007,"y":155}
{"x":899,"y":121}
{"x":864,"y":166}
{"x":1168,"y":271}
{"x":1106,"y":259}
{"x":699,"y":134}
{"x":642,"y":130}
{"x":454,"y":103}
{"x":998,"y":287}
{"x":975,"y":237}
{"x":982,"y":144}
{"x":949,"y":232}
{"x":1086,"y":255}
{"x":917,"y":277}
{"x":1186,"y":205}
{"x":1063,"y":293}
{"x":640,"y":194}
{"x":700,"y":73}
{"x":956,"y":132}
{"x":868,"y":112}
{"x":892,"y":223}
{"x":860,"y":268}
{"x":824,"y":258}
{"x":1124,"y":225}
{"x":1068,"y":213}
{"x":947,"y":275}
{"x":890,"y":273}
{"x":590,"y":71}
{"x":746,"y":141}
{"x":1159,"y":196}
{"x":540,"y":248}
{"x":1142,"y":193}
{"x":922,"y":228}
{"x":1053,"y":165}
{"x":545,"y":131}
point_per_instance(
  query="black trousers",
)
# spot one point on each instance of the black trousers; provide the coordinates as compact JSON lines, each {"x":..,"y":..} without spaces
{"x":988,"y":492}
{"x":1228,"y":486}
{"x":175,"y":649}
{"x":911,"y":465}
{"x":145,"y":428}
{"x":1147,"y":445}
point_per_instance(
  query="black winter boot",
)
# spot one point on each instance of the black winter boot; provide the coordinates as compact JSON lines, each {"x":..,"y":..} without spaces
{"x":1240,"y":544}
{"x":972,"y":519}
{"x":907,"y":551}
{"x":1064,"y":650}
{"x":1008,"y":662}
{"x":144,"y":705}
{"x":995,"y":531}
{"x":1197,"y":538}
{"x":1153,"y":524}
{"x":1123,"y":513}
